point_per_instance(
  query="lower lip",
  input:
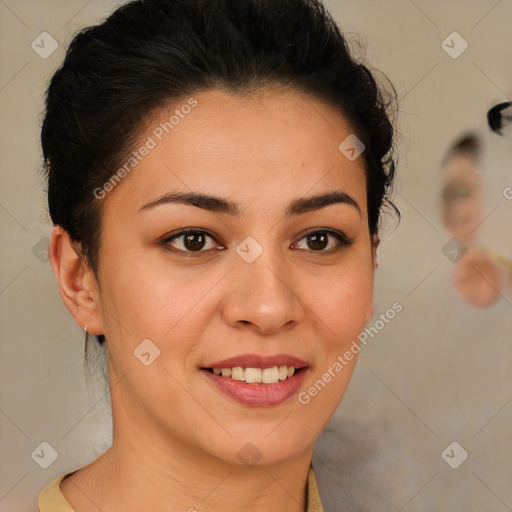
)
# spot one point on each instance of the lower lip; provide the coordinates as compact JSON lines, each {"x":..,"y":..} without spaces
{"x":258,"y":395}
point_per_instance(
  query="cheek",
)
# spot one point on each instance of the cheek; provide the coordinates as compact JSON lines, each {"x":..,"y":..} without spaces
{"x":341,"y":301}
{"x":153,"y":298}
{"x":340,"y":310}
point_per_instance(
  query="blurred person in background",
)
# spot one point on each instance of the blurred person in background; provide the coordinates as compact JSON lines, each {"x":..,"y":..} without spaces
{"x":483,"y":273}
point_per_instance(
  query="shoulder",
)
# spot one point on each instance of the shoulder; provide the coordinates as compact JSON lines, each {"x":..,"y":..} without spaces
{"x":51,"y":498}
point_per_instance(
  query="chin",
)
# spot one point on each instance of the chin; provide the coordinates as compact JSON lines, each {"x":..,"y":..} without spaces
{"x":262,"y":449}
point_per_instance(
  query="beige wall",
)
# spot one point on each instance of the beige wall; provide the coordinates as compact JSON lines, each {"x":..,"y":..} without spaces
{"x":438,"y":372}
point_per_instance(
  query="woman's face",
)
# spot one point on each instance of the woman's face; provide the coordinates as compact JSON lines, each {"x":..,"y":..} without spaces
{"x":261,"y":281}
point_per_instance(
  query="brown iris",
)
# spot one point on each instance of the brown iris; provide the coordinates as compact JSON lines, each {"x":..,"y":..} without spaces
{"x":194,"y":241}
{"x":318,"y":241}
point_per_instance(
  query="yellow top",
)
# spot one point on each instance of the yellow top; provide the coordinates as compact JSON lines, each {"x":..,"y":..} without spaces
{"x":51,"y":498}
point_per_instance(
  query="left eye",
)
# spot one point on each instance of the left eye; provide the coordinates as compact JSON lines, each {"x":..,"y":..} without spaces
{"x":192,"y":241}
{"x":323,"y":241}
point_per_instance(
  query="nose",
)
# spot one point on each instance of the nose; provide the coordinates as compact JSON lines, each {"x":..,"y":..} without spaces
{"x":261,"y":295}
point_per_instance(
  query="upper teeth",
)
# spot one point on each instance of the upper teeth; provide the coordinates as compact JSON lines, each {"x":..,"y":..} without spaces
{"x":263,"y":375}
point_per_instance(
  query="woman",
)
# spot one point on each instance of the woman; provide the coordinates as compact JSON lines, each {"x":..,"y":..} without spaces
{"x":216,"y":171}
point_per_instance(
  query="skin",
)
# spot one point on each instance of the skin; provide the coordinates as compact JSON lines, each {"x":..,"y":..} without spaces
{"x":461,"y":207}
{"x":478,"y":279}
{"x":176,"y":437}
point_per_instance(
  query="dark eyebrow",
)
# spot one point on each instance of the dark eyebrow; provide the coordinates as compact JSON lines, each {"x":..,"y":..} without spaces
{"x":220,"y":205}
{"x":204,"y":201}
{"x":308,"y":204}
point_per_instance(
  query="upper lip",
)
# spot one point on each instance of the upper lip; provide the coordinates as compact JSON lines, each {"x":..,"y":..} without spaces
{"x":259,"y":361}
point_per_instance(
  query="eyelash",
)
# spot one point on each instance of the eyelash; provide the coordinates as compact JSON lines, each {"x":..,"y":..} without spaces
{"x":343,"y":241}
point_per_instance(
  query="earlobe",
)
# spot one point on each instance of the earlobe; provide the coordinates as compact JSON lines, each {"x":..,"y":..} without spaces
{"x":76,"y":282}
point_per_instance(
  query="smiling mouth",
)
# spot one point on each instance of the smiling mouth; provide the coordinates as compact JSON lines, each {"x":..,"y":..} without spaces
{"x":271,"y":375}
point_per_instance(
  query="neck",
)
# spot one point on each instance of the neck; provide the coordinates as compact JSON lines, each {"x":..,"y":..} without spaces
{"x":147,"y":472}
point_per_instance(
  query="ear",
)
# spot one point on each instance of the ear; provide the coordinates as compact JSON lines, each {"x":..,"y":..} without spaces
{"x":375,"y":264}
{"x":77,"y":283}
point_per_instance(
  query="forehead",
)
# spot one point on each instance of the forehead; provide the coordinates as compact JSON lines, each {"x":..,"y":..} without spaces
{"x":266,"y":145}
